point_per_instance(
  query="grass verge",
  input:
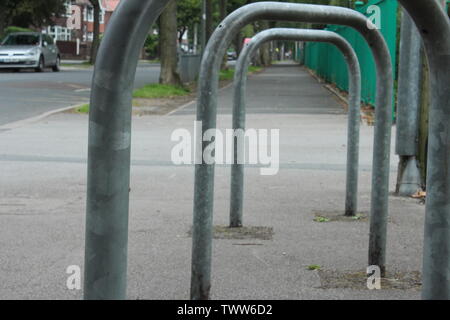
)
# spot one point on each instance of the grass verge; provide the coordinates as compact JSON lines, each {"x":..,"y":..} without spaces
{"x":159,"y":91}
{"x":83,"y":109}
{"x":77,"y":65}
{"x":228,"y":74}
{"x":150,"y":91}
{"x":156,"y":90}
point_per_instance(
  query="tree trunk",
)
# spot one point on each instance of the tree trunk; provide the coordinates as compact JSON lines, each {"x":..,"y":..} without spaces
{"x":273,"y":44}
{"x":168,"y":44}
{"x":96,"y":38}
{"x":265,"y":55}
{"x":223,"y":9}
{"x":264,"y":50}
{"x":209,"y":20}
{"x":223,"y":15}
{"x":262,"y":58}
{"x":238,"y":43}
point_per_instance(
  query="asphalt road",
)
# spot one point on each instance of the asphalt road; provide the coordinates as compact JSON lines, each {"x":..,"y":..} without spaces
{"x":27,"y":94}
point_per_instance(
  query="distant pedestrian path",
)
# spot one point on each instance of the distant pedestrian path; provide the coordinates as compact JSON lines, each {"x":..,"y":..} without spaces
{"x":283,"y":88}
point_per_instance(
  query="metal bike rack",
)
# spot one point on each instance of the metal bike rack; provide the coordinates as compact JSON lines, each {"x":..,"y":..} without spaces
{"x":206,"y":112}
{"x":110,"y":129}
{"x":408,"y":105}
{"x":434,"y":26}
{"x":239,"y":102}
{"x":109,"y":149}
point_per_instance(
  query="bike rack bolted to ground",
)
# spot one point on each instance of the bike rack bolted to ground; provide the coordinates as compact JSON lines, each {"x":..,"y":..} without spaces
{"x":239,"y":111}
{"x":206,"y":113}
{"x":110,"y":131}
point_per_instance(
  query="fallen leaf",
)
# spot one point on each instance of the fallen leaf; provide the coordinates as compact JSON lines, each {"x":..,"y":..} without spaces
{"x":419,"y":194}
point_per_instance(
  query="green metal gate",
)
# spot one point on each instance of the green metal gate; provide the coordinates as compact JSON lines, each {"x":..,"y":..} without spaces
{"x":328,"y":62}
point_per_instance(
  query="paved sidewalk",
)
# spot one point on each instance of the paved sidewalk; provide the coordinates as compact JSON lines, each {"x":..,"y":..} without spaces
{"x":42,"y":205}
{"x":284,"y":88}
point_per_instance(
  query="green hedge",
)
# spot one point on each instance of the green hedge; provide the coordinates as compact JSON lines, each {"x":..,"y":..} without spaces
{"x":12,"y":29}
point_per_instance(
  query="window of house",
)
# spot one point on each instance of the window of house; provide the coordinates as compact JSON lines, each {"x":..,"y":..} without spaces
{"x":90,"y":14}
{"x":58,"y":33}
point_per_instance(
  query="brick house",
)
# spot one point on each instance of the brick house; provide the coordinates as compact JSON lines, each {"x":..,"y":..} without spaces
{"x":74,"y":30}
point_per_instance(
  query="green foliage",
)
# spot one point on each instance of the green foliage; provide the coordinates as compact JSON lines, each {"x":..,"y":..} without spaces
{"x":188,"y":16}
{"x":151,"y":45}
{"x":359,"y":216}
{"x":313,"y":267}
{"x":82,"y":109}
{"x":248,"y":31}
{"x":157,"y":90}
{"x":25,"y":13}
{"x":13,"y":29}
{"x":253,"y":69}
{"x":228,"y":74}
{"x":188,"y":13}
{"x":235,"y":4}
{"x":84,"y":64}
{"x":149,"y":91}
{"x":321,"y":219}
{"x":341,"y":3}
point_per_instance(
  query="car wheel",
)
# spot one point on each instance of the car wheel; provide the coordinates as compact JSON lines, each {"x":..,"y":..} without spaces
{"x":41,"y":65}
{"x":56,"y":67}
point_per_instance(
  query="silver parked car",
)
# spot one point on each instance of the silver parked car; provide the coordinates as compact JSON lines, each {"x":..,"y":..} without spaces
{"x":29,"y":50}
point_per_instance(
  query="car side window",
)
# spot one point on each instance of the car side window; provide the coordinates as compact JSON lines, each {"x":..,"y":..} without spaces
{"x":49,"y":40}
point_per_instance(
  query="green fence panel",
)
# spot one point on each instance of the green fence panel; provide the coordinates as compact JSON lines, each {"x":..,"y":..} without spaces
{"x":328,"y":62}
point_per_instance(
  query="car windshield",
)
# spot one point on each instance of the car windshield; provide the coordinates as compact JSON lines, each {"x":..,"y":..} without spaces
{"x":21,"y":40}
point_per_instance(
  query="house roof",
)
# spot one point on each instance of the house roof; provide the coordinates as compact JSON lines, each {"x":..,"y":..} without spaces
{"x":110,"y":5}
